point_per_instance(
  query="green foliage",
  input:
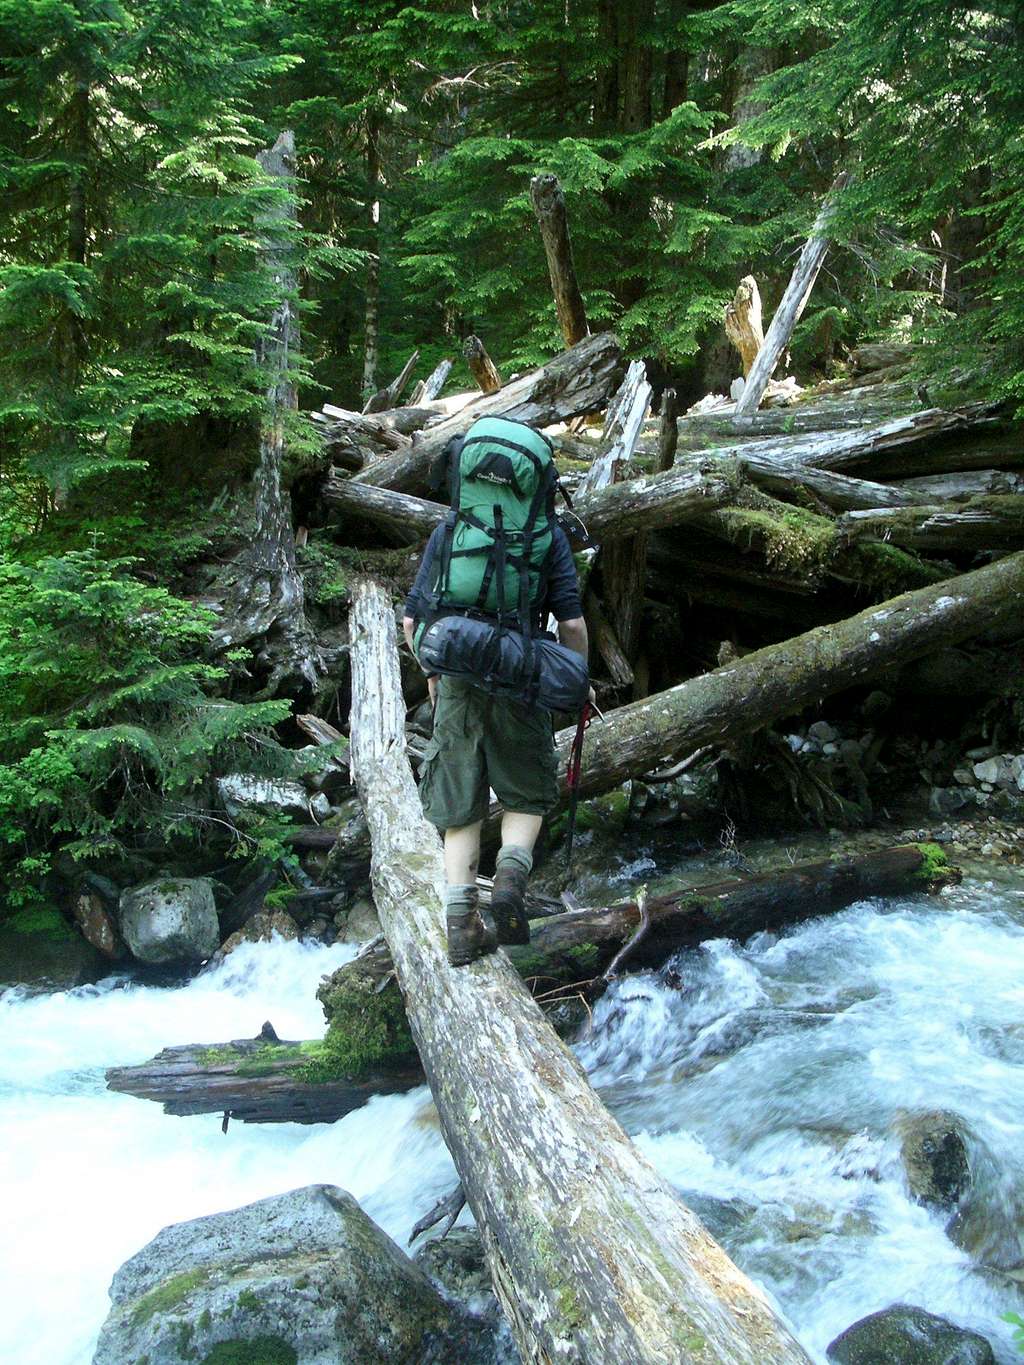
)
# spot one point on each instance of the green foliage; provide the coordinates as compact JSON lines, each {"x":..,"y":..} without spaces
{"x":110,"y":731}
{"x":1017,"y":1322}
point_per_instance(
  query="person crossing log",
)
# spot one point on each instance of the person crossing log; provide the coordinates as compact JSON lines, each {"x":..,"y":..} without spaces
{"x":593,"y":1256}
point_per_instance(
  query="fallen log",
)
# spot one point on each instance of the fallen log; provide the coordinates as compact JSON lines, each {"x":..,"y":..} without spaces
{"x":535,"y":1149}
{"x":961,"y":485}
{"x":638,"y":504}
{"x":575,"y":382}
{"x":792,"y":304}
{"x":780,"y":679}
{"x":258,"y":1081}
{"x":481,"y":366}
{"x":840,"y":492}
{"x":880,"y":355}
{"x":549,"y":206}
{"x":995,"y":523}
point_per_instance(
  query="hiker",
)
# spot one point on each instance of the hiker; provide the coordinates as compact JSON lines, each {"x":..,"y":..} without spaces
{"x":489,"y":577}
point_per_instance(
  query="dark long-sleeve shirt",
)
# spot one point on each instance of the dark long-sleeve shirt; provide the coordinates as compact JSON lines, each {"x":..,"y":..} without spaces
{"x":562,"y":598}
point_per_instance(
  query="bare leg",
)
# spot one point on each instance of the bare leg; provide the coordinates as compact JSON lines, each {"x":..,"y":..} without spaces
{"x":519,"y":829}
{"x":511,"y":873}
{"x":462,"y":854}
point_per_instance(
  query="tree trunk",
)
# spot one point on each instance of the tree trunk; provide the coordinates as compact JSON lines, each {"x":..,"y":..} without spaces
{"x":837,"y":491}
{"x":743,"y":322}
{"x":549,"y":206}
{"x":262,"y":589}
{"x":372,"y":310}
{"x":960,"y":486}
{"x":482,"y":366}
{"x":788,"y":312}
{"x":780,"y":679}
{"x":572,"y":1218}
{"x":668,"y":430}
{"x":604,"y":640}
{"x":575,"y":382}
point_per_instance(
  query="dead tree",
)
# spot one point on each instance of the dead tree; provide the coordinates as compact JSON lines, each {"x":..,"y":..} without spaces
{"x":481,"y":365}
{"x":549,"y":206}
{"x":388,"y":397}
{"x":995,"y":523}
{"x":575,"y":382}
{"x":776,"y":681}
{"x":261,"y":589}
{"x":743,"y":322}
{"x":572,"y":1218}
{"x":788,"y":312}
{"x":668,"y":430}
{"x":428,"y":389}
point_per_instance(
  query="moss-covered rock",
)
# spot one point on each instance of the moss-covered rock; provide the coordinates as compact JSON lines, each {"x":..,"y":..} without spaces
{"x":910,"y":1336}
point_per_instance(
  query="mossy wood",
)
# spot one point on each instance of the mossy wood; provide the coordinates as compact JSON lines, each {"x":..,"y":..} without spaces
{"x":593,"y":1256}
{"x":982,"y":523}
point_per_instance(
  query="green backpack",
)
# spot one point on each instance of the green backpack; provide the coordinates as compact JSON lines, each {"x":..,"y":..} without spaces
{"x":498,"y":537}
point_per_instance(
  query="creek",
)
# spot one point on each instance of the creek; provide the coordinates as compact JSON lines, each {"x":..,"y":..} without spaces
{"x":765,"y":1081}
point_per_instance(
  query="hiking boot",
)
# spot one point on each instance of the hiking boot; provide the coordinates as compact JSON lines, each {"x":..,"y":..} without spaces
{"x":468,"y":936}
{"x":508,"y":900}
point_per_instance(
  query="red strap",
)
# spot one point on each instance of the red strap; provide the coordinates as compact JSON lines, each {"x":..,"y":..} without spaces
{"x":575,"y":764}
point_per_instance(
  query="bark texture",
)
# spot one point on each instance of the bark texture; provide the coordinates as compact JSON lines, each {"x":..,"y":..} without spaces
{"x":483,"y":368}
{"x":743,"y":324}
{"x":573,"y":1220}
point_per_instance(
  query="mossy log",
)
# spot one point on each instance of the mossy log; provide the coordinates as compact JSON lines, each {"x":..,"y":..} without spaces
{"x":577,"y":381}
{"x":257,"y":1080}
{"x":572,"y":1218}
{"x":748,"y":693}
{"x":987,"y":523}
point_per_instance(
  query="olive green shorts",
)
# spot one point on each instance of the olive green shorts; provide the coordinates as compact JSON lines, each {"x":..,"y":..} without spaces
{"x":480,"y":742}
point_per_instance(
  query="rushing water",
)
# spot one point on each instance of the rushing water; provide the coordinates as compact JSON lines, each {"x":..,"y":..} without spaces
{"x":765,"y":1086}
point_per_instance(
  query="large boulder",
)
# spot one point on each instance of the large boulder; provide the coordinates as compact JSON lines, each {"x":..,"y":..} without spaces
{"x":261,"y":928}
{"x":304,"y":1278}
{"x":903,"y":1335}
{"x":171,"y":920}
{"x":933,"y":1148}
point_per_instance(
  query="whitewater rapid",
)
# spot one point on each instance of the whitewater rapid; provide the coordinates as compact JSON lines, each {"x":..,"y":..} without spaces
{"x":770,"y":1080}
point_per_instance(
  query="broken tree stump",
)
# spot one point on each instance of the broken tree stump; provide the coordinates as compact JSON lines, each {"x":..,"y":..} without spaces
{"x":482,"y":367}
{"x":428,"y":389}
{"x":572,"y":1218}
{"x":549,"y":206}
{"x":743,"y":322}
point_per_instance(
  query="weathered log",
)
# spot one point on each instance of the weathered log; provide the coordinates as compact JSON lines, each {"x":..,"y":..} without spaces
{"x":778,"y":680}
{"x":791,"y":306}
{"x":883,"y":450}
{"x":482,"y":367}
{"x":581,"y":943}
{"x":533,"y":1145}
{"x":650,"y":501}
{"x":668,"y":430}
{"x":995,"y":523}
{"x":743,"y":322}
{"x":388,"y":397}
{"x":840,"y":492}
{"x":260,"y":591}
{"x":549,"y":206}
{"x":257,"y":1081}
{"x":961,"y":485}
{"x":429,"y":388}
{"x":575,"y":382}
{"x":623,"y":422}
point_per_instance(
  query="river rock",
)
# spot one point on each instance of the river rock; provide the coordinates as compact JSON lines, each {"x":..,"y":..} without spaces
{"x":903,"y":1335}
{"x":934,"y":1155}
{"x":261,"y":928}
{"x":361,"y":920}
{"x":173,"y":919}
{"x":304,"y":1277}
{"x":989,"y":1224}
{"x":98,"y":926}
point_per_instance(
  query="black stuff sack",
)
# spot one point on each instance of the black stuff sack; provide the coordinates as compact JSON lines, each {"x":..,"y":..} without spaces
{"x":476,"y":651}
